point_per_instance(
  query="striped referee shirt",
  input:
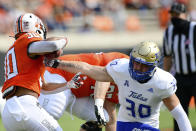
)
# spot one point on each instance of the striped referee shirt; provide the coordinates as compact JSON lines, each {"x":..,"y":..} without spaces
{"x":180,"y":43}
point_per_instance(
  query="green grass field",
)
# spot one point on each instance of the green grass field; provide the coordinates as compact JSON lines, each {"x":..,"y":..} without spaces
{"x":166,"y":122}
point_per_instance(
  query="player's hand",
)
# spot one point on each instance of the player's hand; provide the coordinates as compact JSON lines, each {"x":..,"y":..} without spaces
{"x":76,"y":81}
{"x":51,"y":63}
{"x":100,"y":113}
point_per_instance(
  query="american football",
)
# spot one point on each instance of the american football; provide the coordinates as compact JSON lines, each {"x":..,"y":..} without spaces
{"x":54,"y":54}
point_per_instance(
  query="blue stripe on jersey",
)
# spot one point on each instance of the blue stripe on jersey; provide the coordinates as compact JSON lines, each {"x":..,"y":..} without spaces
{"x":134,"y":126}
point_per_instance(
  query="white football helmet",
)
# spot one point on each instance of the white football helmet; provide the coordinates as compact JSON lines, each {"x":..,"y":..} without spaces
{"x":29,"y":23}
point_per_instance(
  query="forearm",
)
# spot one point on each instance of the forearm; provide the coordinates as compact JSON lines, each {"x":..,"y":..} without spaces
{"x":182,"y":119}
{"x":96,"y":72}
{"x":100,"y":89}
{"x":111,"y":109}
{"x":167,"y":63}
{"x":53,"y":86}
{"x":110,"y":126}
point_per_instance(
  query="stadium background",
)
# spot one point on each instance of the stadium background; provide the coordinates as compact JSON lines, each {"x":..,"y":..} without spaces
{"x":94,"y":26}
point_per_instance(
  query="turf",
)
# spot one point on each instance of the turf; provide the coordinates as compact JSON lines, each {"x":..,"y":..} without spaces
{"x":166,"y":122}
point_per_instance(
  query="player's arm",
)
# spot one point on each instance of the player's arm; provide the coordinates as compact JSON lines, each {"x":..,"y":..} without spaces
{"x":101,"y":89}
{"x":47,"y":46}
{"x":174,"y":106}
{"x":50,"y":88}
{"x":111,"y":109}
{"x":167,"y":63}
{"x":99,"y":96}
{"x":95,"y":72}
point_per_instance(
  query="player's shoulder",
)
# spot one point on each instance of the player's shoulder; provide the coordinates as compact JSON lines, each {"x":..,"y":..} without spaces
{"x":119,"y":62}
{"x":29,"y":37}
{"x":118,"y":65}
{"x":164,"y":79}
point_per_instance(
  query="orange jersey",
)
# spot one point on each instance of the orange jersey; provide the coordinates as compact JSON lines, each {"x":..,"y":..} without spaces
{"x":20,"y":69}
{"x":100,"y":59}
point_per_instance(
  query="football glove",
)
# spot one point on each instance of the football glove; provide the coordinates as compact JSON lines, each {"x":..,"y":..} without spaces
{"x":99,"y":112}
{"x":76,"y":81}
{"x":51,"y":63}
{"x":91,"y":126}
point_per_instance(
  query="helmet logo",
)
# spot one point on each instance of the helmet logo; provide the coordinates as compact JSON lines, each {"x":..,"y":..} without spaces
{"x":143,"y":51}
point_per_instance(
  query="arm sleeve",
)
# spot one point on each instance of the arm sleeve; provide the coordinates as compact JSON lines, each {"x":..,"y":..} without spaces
{"x":168,"y":88}
{"x":47,"y":46}
{"x":180,"y":116}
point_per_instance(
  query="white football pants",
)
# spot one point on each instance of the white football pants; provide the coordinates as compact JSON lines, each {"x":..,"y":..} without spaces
{"x":25,"y":114}
{"x":56,"y":104}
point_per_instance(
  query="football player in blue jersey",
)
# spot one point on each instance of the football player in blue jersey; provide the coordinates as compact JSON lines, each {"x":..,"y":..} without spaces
{"x":142,"y":88}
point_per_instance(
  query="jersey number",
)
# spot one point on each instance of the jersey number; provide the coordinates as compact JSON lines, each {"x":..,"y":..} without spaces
{"x":109,"y":93}
{"x":11,"y":64}
{"x":31,"y":35}
{"x":142,"y":111}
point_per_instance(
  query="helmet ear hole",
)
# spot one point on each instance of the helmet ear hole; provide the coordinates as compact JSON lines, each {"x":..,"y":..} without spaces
{"x":39,"y":32}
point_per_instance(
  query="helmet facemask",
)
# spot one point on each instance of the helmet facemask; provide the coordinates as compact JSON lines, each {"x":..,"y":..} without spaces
{"x":146,"y":53}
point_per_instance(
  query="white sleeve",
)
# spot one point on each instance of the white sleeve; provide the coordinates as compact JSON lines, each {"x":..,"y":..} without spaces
{"x":115,"y":68}
{"x":169,"y":88}
{"x":47,"y":46}
{"x":182,"y":119}
{"x":110,"y":67}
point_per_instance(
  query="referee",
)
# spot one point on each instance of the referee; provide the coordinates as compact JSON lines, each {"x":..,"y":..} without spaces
{"x":179,"y":50}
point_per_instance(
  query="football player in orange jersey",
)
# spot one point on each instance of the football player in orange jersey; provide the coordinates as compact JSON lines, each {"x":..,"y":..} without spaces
{"x":77,"y":101}
{"x":23,"y":68}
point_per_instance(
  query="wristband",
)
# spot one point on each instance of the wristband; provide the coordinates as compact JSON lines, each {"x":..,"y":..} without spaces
{"x":56,"y":63}
{"x":99,"y":102}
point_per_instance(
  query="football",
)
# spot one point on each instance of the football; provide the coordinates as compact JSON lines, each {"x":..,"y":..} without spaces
{"x":57,"y":53}
{"x":54,"y":54}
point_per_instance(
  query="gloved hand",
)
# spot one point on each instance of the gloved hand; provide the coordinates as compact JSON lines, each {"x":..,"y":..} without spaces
{"x":76,"y":81}
{"x":99,"y":112}
{"x":51,"y":63}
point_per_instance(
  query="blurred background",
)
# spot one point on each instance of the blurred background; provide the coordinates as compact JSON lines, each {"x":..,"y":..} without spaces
{"x":93,"y":25}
